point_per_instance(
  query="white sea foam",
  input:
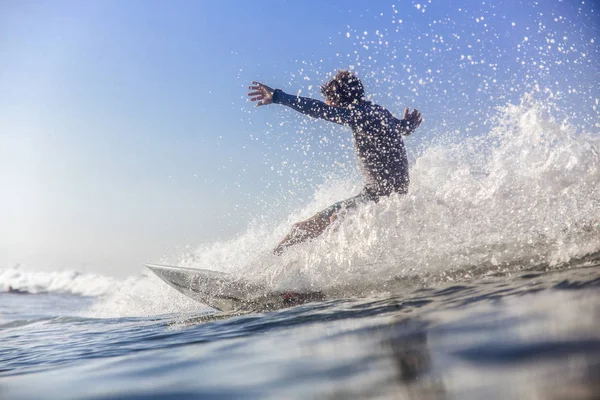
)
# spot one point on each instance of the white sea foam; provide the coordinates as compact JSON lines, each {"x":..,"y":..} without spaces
{"x":72,"y":282}
{"x":141,"y":296}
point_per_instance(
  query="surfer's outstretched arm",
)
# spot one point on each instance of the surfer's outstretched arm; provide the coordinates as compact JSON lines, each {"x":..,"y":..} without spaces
{"x":311,"y":107}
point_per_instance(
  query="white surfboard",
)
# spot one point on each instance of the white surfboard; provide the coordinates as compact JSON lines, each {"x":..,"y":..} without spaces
{"x":224,"y":292}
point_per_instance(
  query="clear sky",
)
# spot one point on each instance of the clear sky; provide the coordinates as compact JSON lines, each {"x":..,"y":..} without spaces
{"x":125,"y":133}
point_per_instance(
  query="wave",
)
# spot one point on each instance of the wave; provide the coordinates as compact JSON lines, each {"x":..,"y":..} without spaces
{"x":72,"y":282}
{"x":525,"y":193}
{"x":143,"y":294}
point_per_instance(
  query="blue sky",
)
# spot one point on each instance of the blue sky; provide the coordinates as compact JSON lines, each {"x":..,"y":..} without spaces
{"x":125,"y":133}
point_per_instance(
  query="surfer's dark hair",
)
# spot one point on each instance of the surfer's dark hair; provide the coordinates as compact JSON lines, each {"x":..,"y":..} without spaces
{"x":344,"y":89}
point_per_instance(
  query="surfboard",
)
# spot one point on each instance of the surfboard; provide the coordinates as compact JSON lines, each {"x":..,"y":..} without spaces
{"x":224,"y":292}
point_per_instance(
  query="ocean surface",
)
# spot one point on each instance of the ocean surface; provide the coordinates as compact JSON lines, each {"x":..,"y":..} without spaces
{"x":525,"y":333}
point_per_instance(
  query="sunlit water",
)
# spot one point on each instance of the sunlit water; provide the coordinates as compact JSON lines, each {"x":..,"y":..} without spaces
{"x":531,"y":334}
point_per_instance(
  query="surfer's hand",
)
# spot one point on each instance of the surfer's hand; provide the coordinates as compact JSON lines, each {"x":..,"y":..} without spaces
{"x":261,"y":93}
{"x":413,"y":120}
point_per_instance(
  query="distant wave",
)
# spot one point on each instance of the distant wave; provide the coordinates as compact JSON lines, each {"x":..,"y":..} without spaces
{"x":143,"y":294}
{"x":73,"y":282}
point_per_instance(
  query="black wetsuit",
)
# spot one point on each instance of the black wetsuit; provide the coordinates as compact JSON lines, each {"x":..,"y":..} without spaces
{"x":377,"y":141}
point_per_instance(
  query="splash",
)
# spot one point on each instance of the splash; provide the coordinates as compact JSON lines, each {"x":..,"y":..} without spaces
{"x":142,"y":296}
{"x":523,"y":194}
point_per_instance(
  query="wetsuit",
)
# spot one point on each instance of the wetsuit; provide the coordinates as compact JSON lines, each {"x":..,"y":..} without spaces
{"x":377,"y":141}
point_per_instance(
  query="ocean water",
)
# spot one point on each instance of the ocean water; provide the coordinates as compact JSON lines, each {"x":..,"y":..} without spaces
{"x":528,"y":334}
{"x":482,"y":282}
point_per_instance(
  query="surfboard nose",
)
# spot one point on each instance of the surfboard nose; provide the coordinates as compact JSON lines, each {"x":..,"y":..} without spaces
{"x":213,"y":288}
{"x":172,"y":275}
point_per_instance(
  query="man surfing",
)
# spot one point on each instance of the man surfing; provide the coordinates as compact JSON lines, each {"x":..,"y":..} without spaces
{"x":377,"y":137}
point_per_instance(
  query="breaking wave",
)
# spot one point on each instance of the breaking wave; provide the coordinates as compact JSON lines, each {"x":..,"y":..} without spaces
{"x":525,"y":193}
{"x":72,"y":282}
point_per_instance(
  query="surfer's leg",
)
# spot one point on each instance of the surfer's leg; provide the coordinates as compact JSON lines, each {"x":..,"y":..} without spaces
{"x":315,"y":225}
{"x":333,"y":212}
{"x":303,"y":230}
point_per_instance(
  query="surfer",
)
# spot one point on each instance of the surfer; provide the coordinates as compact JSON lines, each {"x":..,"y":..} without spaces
{"x":377,"y":137}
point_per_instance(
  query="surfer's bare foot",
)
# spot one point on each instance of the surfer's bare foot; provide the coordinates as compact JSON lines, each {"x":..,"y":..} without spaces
{"x":302,"y":231}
